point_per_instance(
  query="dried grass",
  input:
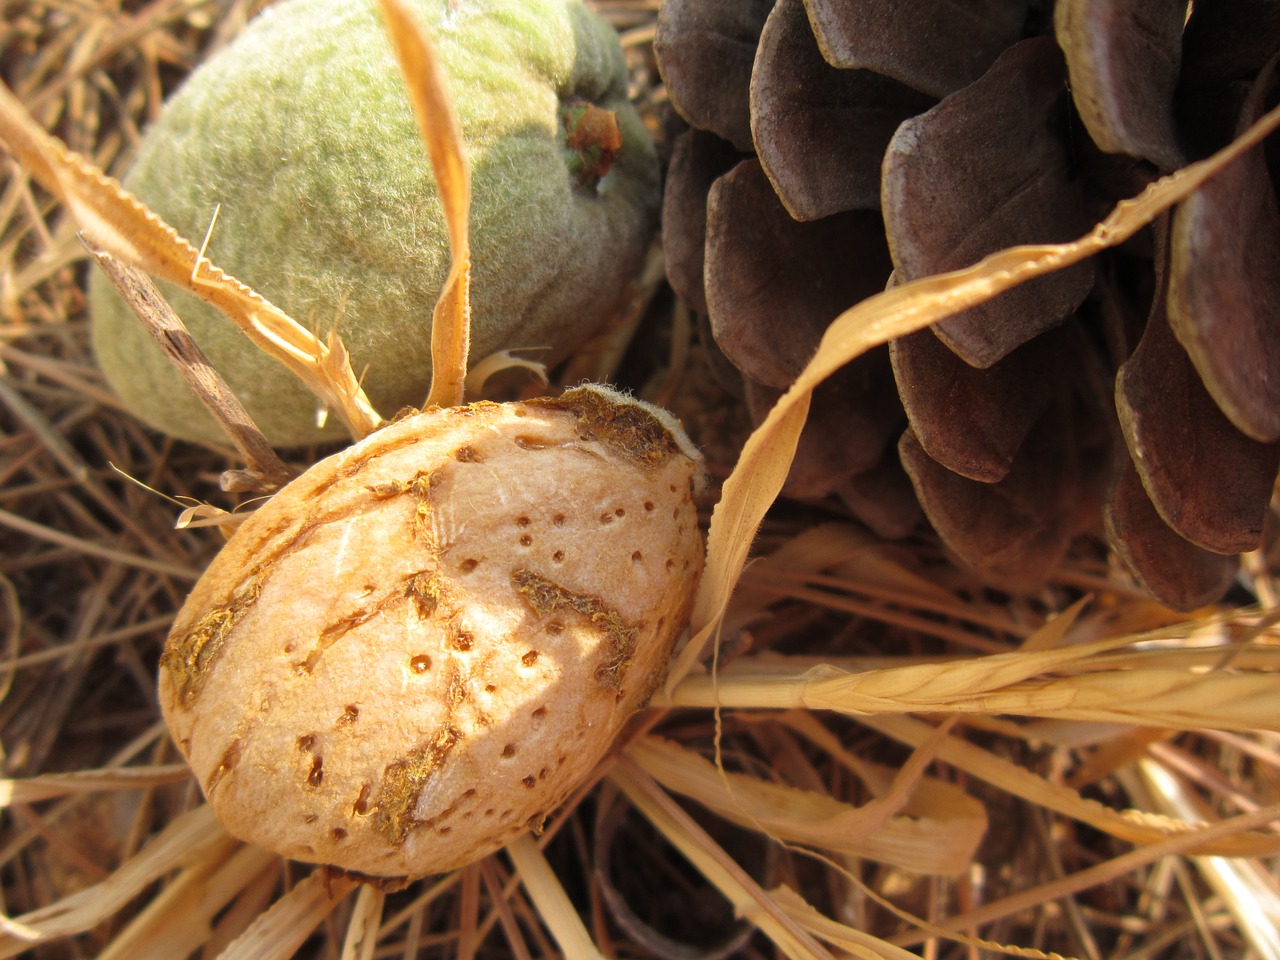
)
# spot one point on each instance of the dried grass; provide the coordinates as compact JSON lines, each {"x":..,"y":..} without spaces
{"x":887,"y":759}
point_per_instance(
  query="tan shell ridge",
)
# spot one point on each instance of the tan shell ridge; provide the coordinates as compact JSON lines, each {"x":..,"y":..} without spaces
{"x":417,"y":650}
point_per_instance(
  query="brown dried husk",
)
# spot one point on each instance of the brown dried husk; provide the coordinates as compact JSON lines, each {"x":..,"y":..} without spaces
{"x":1018,"y":671}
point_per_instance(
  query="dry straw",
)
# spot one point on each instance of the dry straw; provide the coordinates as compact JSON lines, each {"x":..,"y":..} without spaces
{"x":772,"y":742}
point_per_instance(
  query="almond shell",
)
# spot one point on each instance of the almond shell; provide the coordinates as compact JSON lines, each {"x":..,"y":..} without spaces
{"x":415,"y":651}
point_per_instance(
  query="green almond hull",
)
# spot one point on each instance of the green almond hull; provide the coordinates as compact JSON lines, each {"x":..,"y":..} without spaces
{"x":301,"y":136}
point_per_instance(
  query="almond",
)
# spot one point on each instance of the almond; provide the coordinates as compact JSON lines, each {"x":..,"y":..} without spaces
{"x":416,"y":650}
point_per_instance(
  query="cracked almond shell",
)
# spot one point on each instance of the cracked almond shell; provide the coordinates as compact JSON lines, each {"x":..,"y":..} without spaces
{"x":415,"y":651}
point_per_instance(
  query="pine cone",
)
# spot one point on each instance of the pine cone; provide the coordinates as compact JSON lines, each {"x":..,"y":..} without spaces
{"x":839,"y":146}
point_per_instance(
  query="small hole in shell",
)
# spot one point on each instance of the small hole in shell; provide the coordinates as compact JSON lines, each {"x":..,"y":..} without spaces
{"x":338,"y":833}
{"x":488,"y":811}
{"x":558,"y":519}
{"x":316,"y":776}
{"x":461,"y":641}
{"x":420,"y":664}
{"x":306,"y":742}
{"x":554,"y":627}
{"x":671,"y":565}
{"x":606,"y":518}
{"x":350,"y":714}
{"x":509,"y":751}
{"x":523,"y":521}
{"x":530,"y":781}
{"x":636,"y":556}
{"x":490,"y":688}
{"x":648,"y":506}
{"x":620,"y":512}
{"x":361,"y":807}
{"x":540,"y":713}
{"x":466,"y":566}
{"x":526,"y":540}
{"x":443,"y":830}
{"x":558,"y":556}
{"x":530,"y":658}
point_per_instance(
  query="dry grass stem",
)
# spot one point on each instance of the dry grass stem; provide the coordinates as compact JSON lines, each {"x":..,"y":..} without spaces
{"x":840,"y":935}
{"x":187,"y":839}
{"x":1175,"y":699}
{"x":362,"y":930}
{"x":715,"y":865}
{"x":264,"y":470}
{"x":442,"y":136}
{"x":1131,"y":825}
{"x":1101,"y":873}
{"x":1248,"y":892}
{"x":279,"y":932}
{"x":553,"y":904}
{"x":46,"y":787}
{"x":180,"y":919}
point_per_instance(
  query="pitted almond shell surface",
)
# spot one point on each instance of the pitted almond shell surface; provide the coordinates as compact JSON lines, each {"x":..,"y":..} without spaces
{"x":415,"y":651}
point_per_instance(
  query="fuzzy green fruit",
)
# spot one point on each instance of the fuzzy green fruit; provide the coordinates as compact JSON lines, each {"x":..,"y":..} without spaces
{"x":301,"y":132}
